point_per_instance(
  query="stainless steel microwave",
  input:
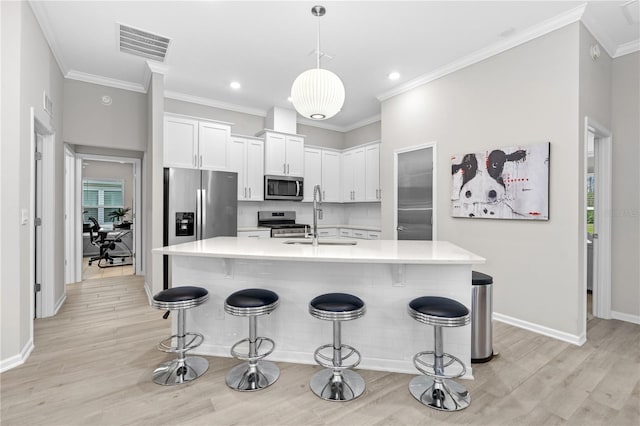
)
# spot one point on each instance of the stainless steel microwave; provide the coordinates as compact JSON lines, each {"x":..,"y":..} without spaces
{"x":283,"y":188}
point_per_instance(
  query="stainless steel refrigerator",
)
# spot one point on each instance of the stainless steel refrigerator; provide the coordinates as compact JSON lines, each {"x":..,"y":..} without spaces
{"x":198,"y":204}
{"x":415,"y":195}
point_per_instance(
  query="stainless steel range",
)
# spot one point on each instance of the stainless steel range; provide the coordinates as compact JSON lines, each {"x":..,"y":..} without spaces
{"x":282,"y":224}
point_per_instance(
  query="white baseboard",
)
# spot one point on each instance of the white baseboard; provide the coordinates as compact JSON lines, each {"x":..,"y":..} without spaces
{"x":625,"y":317}
{"x":16,"y":360}
{"x":59,"y":304}
{"x":574,"y":339}
{"x":148,"y":291}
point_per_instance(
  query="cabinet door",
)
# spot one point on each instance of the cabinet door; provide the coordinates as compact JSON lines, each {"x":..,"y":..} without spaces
{"x":213,"y":146}
{"x":274,"y":155}
{"x":359,"y":172}
{"x":237,"y":156}
{"x":372,"y":173}
{"x":312,"y":171}
{"x":180,"y":142}
{"x":295,"y":156}
{"x":254,"y":167}
{"x":330,"y":176}
{"x":347,"y":176}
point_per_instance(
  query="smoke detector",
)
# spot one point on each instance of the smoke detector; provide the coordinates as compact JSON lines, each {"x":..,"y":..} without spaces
{"x":143,"y":43}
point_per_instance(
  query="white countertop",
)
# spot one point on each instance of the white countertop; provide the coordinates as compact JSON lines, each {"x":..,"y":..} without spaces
{"x":365,"y":251}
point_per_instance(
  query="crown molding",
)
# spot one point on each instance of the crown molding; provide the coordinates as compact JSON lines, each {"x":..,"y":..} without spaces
{"x":157,"y":68}
{"x":319,"y":124}
{"x":105,"y":81}
{"x":517,"y":39}
{"x":214,"y":103}
{"x":625,"y":49}
{"x":363,"y":122}
{"x":43,"y":21}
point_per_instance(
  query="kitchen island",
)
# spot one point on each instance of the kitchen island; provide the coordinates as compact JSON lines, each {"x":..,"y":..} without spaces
{"x":386,"y":274}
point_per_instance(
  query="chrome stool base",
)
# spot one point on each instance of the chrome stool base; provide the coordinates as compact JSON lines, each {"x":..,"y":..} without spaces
{"x":178,"y":371}
{"x":246,"y":377}
{"x":344,"y":385}
{"x":443,"y":395}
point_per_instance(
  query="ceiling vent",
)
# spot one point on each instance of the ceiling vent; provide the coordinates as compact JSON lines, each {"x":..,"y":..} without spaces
{"x":143,"y":43}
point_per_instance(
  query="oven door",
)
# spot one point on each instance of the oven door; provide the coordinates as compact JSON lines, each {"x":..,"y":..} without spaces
{"x":283,"y":188}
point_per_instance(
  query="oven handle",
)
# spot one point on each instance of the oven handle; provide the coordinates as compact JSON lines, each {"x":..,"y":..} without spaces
{"x":297,"y":188}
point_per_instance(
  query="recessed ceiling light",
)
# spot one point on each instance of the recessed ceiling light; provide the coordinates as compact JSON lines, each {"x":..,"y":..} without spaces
{"x":290,"y":99}
{"x":235,"y":85}
{"x":394,"y":75}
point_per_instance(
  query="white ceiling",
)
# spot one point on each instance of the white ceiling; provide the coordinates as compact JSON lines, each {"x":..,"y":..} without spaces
{"x":264,"y":45}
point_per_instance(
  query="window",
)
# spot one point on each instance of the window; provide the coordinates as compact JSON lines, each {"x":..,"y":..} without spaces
{"x":100,"y":198}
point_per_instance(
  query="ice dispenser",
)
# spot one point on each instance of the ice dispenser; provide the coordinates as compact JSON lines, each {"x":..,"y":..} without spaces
{"x":185,"y":224}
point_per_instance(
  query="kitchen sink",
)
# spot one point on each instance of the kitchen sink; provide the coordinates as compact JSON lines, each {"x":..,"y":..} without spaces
{"x":323,"y":242}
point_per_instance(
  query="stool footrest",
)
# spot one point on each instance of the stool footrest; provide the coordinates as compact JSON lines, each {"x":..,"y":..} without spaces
{"x":425,"y":363}
{"x":328,"y":362}
{"x":192,"y":340}
{"x":245,"y":355}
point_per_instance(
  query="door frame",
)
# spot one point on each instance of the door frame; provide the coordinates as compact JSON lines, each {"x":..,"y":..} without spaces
{"x":136,"y":208}
{"x":434,"y":216}
{"x":602,"y":220}
{"x":46,"y":307}
{"x":70,"y":246}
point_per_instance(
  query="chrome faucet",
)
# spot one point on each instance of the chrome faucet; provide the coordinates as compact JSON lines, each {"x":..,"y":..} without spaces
{"x":317,"y":213}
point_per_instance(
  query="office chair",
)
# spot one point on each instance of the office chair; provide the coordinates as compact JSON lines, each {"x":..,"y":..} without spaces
{"x":99,"y":238}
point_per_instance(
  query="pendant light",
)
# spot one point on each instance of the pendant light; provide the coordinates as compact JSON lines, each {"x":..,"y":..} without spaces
{"x":317,"y":94}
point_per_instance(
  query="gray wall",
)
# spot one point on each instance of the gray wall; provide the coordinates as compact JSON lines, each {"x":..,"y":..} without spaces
{"x":369,"y":133}
{"x":121,"y":125}
{"x":321,"y":137}
{"x":625,"y":251}
{"x":528,"y":94}
{"x":244,"y":124}
{"x":28,"y":69}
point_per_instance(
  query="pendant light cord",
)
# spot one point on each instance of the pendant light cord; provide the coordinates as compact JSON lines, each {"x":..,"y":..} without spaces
{"x":318,"y":45}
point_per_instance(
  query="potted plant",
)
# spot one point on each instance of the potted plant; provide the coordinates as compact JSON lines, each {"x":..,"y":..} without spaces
{"x":118,"y":214}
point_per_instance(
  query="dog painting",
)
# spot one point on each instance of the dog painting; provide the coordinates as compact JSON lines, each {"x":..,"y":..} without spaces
{"x":504,"y":183}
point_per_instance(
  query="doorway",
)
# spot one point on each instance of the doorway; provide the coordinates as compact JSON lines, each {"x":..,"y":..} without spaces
{"x":107,"y":192}
{"x":415,"y":182}
{"x":597,"y":208}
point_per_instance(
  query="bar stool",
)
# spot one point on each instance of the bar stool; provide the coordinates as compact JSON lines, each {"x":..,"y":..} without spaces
{"x":337,"y":382}
{"x":435,"y":388}
{"x":182,"y":369}
{"x":254,"y":374}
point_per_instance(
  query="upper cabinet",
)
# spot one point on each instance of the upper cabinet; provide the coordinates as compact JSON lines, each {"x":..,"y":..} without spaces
{"x":246,"y":158}
{"x":322,"y":167}
{"x":284,"y":154}
{"x":195,"y":144}
{"x":361,"y":174}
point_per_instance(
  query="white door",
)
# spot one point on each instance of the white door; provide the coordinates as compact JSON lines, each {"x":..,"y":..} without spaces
{"x":254,"y":167}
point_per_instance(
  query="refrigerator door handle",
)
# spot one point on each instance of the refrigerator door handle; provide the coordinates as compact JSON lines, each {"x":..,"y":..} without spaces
{"x":203,"y":210}
{"x":198,"y":214}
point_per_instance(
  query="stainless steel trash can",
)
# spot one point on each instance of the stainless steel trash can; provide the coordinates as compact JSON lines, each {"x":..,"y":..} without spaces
{"x":481,"y":311}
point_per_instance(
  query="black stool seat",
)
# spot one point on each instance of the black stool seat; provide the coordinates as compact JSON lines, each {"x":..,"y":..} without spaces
{"x":180,"y":297}
{"x":478,"y":278}
{"x":337,"y":307}
{"x":252,"y":298}
{"x":250,"y":302}
{"x":442,"y":311}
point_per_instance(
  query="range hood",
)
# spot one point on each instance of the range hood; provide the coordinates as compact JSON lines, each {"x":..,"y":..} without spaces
{"x":281,"y":120}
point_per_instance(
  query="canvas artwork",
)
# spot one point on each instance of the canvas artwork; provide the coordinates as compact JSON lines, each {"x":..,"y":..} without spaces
{"x":505,"y":183}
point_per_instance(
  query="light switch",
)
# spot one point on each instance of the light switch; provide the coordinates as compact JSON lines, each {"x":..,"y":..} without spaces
{"x":25,"y":217}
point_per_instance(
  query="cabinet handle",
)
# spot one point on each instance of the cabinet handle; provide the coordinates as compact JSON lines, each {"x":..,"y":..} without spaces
{"x":201,"y":161}
{"x":249,"y":192}
{"x":287,"y":168}
{"x":284,"y":168}
{"x":245,"y":192}
{"x":377,"y":194}
{"x":195,"y":160}
{"x":324,"y":195}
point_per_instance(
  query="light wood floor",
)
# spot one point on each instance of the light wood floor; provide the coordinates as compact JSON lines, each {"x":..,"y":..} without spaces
{"x":95,"y":272}
{"x":92,"y":365}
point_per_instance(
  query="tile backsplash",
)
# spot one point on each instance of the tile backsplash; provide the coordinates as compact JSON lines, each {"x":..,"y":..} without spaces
{"x":363,"y":214}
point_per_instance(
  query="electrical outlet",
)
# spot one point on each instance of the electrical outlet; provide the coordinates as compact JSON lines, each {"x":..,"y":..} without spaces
{"x":24,"y":217}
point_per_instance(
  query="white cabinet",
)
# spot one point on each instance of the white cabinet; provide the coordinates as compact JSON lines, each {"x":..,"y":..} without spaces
{"x":246,"y":158}
{"x":195,"y":144}
{"x":322,"y":167}
{"x":345,"y":232}
{"x":361,"y":174}
{"x":330,"y":176}
{"x":359,"y":233}
{"x":328,"y":232}
{"x":263,"y":233}
{"x":372,"y":173}
{"x":374,"y":235}
{"x":284,"y":154}
{"x":353,"y":175}
{"x":312,"y":171}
